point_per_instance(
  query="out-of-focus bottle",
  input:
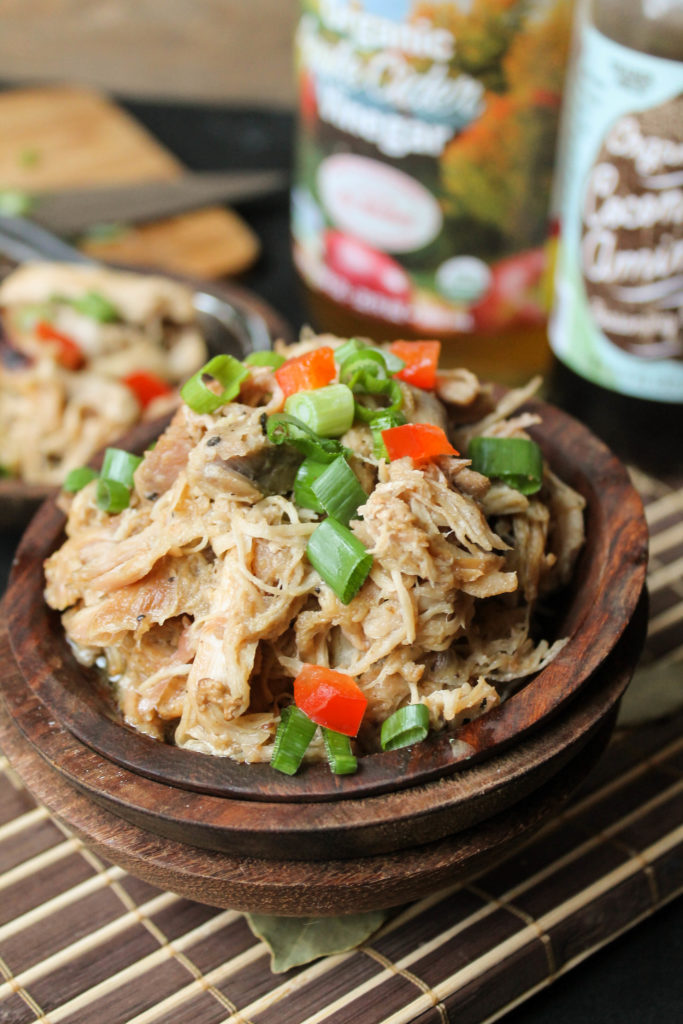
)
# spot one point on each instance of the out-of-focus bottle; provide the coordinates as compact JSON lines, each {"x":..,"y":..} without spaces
{"x":425,"y":155}
{"x":617,"y":322}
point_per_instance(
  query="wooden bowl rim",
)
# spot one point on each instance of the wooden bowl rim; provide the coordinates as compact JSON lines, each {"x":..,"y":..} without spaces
{"x":317,"y":832}
{"x":268,"y":886}
{"x":608,"y":582}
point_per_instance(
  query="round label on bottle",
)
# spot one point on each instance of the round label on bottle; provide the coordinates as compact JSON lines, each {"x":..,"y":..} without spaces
{"x":618,"y":318}
{"x":425,"y":156}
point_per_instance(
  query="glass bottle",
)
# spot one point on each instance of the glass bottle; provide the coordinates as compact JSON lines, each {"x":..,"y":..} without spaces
{"x":617,"y":322}
{"x":425,"y":154}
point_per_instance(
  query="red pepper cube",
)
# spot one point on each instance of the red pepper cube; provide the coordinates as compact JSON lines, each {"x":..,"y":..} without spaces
{"x":419,"y":441}
{"x":67,"y":353}
{"x":312,"y":370}
{"x":146,"y":386}
{"x":331,"y":699}
{"x":421,"y":359}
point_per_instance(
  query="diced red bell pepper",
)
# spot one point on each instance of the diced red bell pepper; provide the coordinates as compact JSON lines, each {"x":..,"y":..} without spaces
{"x":146,"y":386}
{"x":420,"y":441}
{"x":314,"y":369}
{"x":421,"y":359}
{"x":331,"y":699}
{"x":67,"y":353}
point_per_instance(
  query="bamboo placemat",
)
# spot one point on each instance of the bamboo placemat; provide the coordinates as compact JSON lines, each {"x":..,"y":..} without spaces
{"x":81,"y":940}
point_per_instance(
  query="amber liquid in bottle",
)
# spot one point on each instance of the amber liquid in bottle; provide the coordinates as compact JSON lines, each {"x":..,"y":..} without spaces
{"x":509,"y":357}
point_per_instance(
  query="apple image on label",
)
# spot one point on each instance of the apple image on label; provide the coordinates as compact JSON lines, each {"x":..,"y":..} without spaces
{"x":365,"y":267}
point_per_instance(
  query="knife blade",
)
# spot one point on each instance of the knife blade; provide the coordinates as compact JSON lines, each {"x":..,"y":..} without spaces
{"x":71,"y":211}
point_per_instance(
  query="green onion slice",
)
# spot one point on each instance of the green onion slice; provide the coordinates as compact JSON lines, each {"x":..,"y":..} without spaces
{"x":354,"y":345}
{"x":369,"y":384}
{"x":384,"y":420}
{"x":119,"y":466}
{"x":517,"y":461}
{"x":328,"y":411}
{"x":394,"y":363}
{"x":307,"y":473}
{"x":339,"y":491}
{"x":294,"y":733}
{"x":111,"y":495}
{"x":30,"y":314}
{"x":282,"y":428}
{"x":264,"y":359}
{"x":224,"y":369}
{"x":97,"y":307}
{"x":340,"y":757}
{"x":78,"y":478}
{"x":15,"y":202}
{"x":349,"y":348}
{"x":406,"y":726}
{"x":368,"y":360}
{"x":340,"y":558}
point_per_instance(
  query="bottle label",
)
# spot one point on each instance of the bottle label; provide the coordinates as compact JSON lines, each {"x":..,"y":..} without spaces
{"x":425,"y":155}
{"x":618,"y":315}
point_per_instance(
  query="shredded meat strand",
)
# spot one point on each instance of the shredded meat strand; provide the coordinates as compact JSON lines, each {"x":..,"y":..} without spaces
{"x":202,"y":604}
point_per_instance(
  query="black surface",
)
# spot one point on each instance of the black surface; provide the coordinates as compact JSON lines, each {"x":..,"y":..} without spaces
{"x":638,"y":978}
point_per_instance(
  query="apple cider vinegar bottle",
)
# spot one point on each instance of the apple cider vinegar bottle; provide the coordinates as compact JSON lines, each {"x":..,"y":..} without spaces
{"x":425,"y":156}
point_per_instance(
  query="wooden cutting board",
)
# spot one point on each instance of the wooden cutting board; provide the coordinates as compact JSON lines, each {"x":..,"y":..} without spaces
{"x":65,"y":136}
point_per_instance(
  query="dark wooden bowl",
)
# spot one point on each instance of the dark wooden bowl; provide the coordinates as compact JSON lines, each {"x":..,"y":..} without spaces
{"x":601,"y":601}
{"x":353,"y":875}
{"x":19,"y":501}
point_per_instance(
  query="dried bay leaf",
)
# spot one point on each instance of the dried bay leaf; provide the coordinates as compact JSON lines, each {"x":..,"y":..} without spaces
{"x":294,"y":941}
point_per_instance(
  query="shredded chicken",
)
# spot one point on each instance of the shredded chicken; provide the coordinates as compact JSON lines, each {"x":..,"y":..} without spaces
{"x":55,"y":414}
{"x":202,"y":604}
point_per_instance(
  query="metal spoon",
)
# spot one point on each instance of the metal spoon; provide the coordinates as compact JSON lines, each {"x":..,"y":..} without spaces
{"x":226,"y":326}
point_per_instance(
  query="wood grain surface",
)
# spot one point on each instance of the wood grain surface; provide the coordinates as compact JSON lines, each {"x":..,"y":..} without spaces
{"x":75,"y":136}
{"x":220,"y":50}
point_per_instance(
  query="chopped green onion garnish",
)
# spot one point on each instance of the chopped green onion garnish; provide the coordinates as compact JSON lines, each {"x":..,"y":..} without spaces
{"x":328,"y":411}
{"x":96,"y":306}
{"x":394,"y":363}
{"x":406,"y":726}
{"x":340,"y":558}
{"x":224,"y":369}
{"x":119,"y":465}
{"x":78,"y":478}
{"x":370,"y":384}
{"x":349,"y":348}
{"x":517,"y":461}
{"x":368,"y":359}
{"x":339,"y":755}
{"x":339,"y":492}
{"x":307,"y":473}
{"x":29,"y":156}
{"x":353,"y":346}
{"x":384,"y":420}
{"x":14,"y":202}
{"x":111,"y":495}
{"x":264,"y":359}
{"x":282,"y":428}
{"x":29,"y":315}
{"x":294,"y":733}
